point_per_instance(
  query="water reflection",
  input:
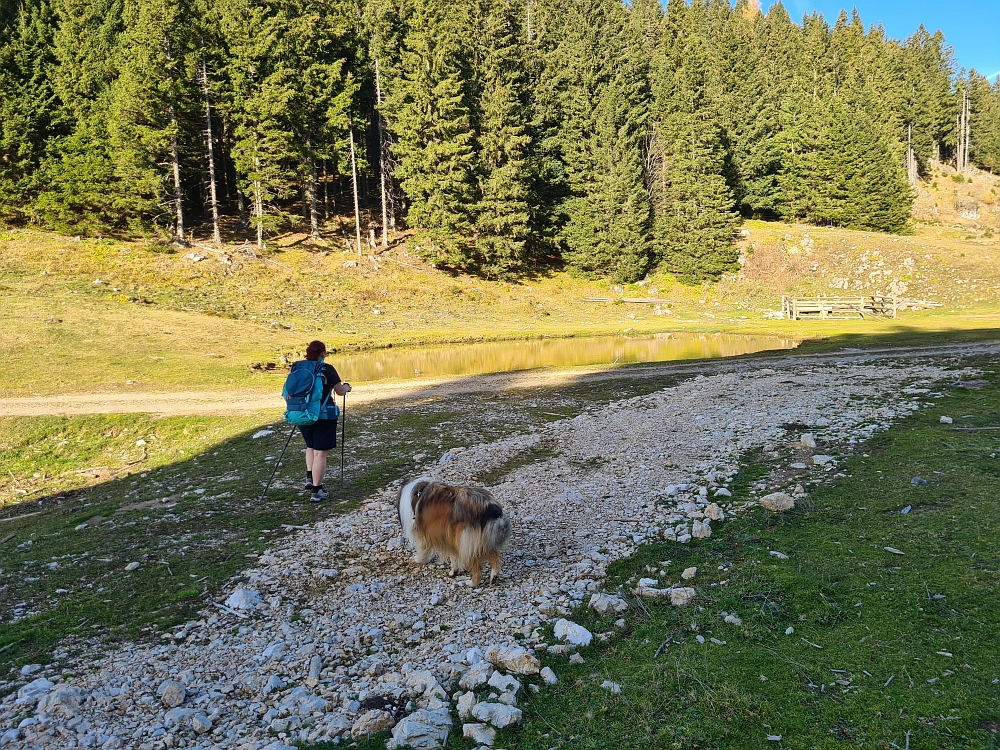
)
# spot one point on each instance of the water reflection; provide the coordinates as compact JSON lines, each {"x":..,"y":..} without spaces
{"x":505,"y":356}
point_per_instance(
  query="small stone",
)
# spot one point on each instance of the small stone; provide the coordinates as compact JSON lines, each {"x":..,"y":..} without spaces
{"x":689,"y":573}
{"x":514,"y":659}
{"x":275,"y":650}
{"x":893,"y":550}
{"x":576,"y":659}
{"x":63,"y":699}
{"x":200,"y":723}
{"x":504,"y":683}
{"x":821,"y":460}
{"x":789,"y":630}
{"x":570,"y":632}
{"x":272,"y":684}
{"x":947,"y":420}
{"x":714,"y":512}
{"x":28,"y":669}
{"x":807,"y":440}
{"x":918,"y":481}
{"x":604,"y":603}
{"x":172,"y":693}
{"x":723,"y":492}
{"x":797,"y":465}
{"x":612,"y":687}
{"x":80,"y":527}
{"x":497,"y":714}
{"x":372,"y":722}
{"x":548,"y":676}
{"x":777,"y":501}
{"x":132,"y":566}
{"x":465,"y":703}
{"x":476,"y":675}
{"x":244,"y":599}
{"x":680,"y":596}
{"x":779,"y":555}
{"x":479,"y":733}
{"x":732,"y":620}
{"x":315,"y":669}
{"x":701,"y":529}
{"x":421,"y":730}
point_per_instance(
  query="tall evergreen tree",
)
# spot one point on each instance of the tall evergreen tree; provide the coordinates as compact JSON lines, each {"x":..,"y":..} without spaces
{"x":694,"y":207}
{"x":429,"y":111}
{"x":505,"y":171}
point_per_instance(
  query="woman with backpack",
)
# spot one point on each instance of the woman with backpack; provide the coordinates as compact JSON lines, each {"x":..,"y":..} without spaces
{"x":321,"y":435}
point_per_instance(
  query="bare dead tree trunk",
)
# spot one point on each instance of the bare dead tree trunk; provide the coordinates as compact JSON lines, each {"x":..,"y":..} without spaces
{"x":383,"y":159}
{"x":175,"y":159}
{"x":213,"y":196}
{"x":313,"y":206}
{"x":968,"y":130}
{"x":354,"y":183}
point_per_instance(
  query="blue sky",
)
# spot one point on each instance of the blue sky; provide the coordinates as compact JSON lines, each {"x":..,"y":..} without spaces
{"x":972,"y":27}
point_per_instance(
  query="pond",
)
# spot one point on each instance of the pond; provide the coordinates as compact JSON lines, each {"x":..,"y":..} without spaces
{"x":507,"y":356}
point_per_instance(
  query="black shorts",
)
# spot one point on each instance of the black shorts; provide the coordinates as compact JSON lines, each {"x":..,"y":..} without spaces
{"x":320,"y":436}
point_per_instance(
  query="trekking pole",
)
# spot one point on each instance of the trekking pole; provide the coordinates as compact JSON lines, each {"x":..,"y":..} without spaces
{"x":276,"y":464}
{"x":343,"y":432}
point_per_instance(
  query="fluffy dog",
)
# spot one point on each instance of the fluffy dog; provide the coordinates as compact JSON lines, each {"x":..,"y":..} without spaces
{"x":463,"y":524}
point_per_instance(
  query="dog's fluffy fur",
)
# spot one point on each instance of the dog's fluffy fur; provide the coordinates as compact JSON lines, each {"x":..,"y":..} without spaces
{"x":463,"y":524}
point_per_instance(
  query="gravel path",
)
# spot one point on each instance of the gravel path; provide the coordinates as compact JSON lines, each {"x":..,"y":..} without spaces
{"x":336,"y":628}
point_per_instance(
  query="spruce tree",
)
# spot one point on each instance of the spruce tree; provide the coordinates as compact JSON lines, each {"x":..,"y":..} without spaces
{"x":429,"y":111}
{"x":694,"y":216}
{"x":505,"y":173}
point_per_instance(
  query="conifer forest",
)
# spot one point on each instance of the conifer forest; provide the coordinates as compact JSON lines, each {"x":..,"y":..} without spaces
{"x":607,"y":138}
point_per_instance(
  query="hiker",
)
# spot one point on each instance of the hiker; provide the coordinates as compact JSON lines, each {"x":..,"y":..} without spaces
{"x":321,"y":436}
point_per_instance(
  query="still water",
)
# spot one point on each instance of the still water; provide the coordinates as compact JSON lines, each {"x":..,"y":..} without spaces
{"x":505,"y":356}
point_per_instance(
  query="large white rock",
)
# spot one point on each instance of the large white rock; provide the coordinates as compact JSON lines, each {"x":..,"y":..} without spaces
{"x":34,"y":689}
{"x":570,"y":632}
{"x":465,"y":703}
{"x":514,"y":659}
{"x":548,"y":676}
{"x":777,"y":501}
{"x":244,"y":600}
{"x":63,"y":699}
{"x":497,"y":714}
{"x":807,"y":440}
{"x":425,"y":684}
{"x":421,"y":730}
{"x":605,"y":603}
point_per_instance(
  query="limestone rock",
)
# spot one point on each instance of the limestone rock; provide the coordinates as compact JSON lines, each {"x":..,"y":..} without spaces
{"x":821,"y":460}
{"x":689,"y":573}
{"x":807,"y":440}
{"x":604,"y":603}
{"x":372,"y":722}
{"x":476,"y":675}
{"x":63,"y":699}
{"x":701,"y":529}
{"x":497,"y":714}
{"x":200,"y":723}
{"x":548,"y":676}
{"x":514,"y":659}
{"x":612,"y":687}
{"x":777,"y":501}
{"x":570,"y":632}
{"x":714,"y":513}
{"x":465,"y":703}
{"x":421,"y":730}
{"x":504,"y":683}
{"x":244,"y":600}
{"x":481,"y":734}
{"x":34,"y":689}
{"x":682,"y":595}
{"x":172,"y":693}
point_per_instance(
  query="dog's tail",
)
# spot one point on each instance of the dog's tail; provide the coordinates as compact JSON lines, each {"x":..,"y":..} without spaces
{"x":479,"y":542}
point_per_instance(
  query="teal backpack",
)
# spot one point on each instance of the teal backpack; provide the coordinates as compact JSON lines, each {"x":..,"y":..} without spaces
{"x":303,"y":394}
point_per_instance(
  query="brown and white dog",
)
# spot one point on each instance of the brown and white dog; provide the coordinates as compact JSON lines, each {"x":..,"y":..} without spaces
{"x":463,"y":524}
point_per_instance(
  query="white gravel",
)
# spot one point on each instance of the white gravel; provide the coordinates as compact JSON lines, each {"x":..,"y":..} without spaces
{"x":342,"y":614}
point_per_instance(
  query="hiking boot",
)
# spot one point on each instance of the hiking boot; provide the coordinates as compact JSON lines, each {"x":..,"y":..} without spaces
{"x":308,"y":486}
{"x":318,"y":494}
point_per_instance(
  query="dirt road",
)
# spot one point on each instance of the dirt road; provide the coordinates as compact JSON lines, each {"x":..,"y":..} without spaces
{"x":246,"y":402}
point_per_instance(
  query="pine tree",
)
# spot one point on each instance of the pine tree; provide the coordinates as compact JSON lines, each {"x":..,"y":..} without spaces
{"x":984,"y":147}
{"x":505,"y":173}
